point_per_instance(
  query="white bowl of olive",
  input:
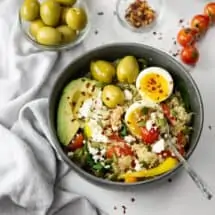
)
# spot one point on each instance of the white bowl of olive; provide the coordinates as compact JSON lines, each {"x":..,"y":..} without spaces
{"x":54,"y":25}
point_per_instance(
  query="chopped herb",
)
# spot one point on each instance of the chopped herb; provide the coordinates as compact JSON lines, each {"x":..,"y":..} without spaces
{"x":162,"y":122}
{"x":173,"y":113}
{"x":98,"y":166}
{"x":141,"y":123}
{"x":123,"y":131}
{"x":145,"y":111}
{"x":89,"y":160}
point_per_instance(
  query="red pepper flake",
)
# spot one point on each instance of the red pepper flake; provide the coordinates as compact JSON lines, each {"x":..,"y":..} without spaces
{"x":139,"y":14}
{"x":100,"y":13}
{"x":88,"y":85}
{"x":124,"y":209}
{"x":132,"y":199}
{"x":160,"y":91}
{"x":181,"y":21}
{"x":153,"y":88}
{"x":169,"y":180}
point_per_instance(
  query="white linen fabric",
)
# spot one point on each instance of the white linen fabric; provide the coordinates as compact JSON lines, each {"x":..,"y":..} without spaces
{"x":33,"y":178}
{"x":29,"y":170}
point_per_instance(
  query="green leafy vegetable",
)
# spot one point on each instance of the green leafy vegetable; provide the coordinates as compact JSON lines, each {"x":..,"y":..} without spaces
{"x":145,"y":110}
{"x":141,"y":123}
{"x":98,"y":166}
{"x":124,"y":131}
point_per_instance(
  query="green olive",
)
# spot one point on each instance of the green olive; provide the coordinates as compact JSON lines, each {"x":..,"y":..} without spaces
{"x":50,"y":12}
{"x":35,"y":26}
{"x":112,"y":96}
{"x":102,"y":71}
{"x":68,"y":34}
{"x":66,"y":2}
{"x":30,"y":10}
{"x":127,"y":70}
{"x":64,"y":11}
{"x":76,"y":18}
{"x":48,"y":36}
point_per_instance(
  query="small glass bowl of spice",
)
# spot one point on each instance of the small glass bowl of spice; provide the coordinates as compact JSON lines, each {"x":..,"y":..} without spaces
{"x":138,"y":15}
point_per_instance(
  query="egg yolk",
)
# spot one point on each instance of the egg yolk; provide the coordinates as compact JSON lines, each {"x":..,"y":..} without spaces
{"x":132,"y":122}
{"x":155,"y":86}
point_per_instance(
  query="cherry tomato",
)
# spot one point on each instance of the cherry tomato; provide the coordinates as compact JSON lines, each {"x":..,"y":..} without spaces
{"x":151,"y":136}
{"x":181,"y":139}
{"x":190,"y":55}
{"x":187,"y":36}
{"x":119,"y":150}
{"x":166,"y":154}
{"x":77,"y":142}
{"x":116,"y":137}
{"x":200,"y":23}
{"x":209,"y":10}
{"x":167,"y":113}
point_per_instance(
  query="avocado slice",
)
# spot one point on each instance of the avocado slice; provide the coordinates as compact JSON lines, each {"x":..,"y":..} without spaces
{"x":72,"y":98}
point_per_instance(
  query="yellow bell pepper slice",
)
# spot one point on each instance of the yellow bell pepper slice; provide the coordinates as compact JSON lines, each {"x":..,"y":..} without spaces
{"x":167,"y":165}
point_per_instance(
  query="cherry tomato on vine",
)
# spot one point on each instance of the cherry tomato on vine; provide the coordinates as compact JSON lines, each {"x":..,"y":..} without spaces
{"x":190,"y":55}
{"x":201,"y":23}
{"x":187,"y":36}
{"x":209,"y":10}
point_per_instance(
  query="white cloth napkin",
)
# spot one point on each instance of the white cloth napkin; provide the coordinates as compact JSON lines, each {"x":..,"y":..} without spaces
{"x":30,"y":172}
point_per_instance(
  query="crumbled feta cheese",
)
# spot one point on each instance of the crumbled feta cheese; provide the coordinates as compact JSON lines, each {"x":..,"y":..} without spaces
{"x":92,"y":151}
{"x":103,"y":151}
{"x":158,"y":146}
{"x":128,"y":95}
{"x":100,"y":138}
{"x":97,"y":158}
{"x":153,"y":116}
{"x":137,"y":165}
{"x":70,"y":154}
{"x":84,"y":111}
{"x":96,"y":130}
{"x":129,"y":139}
{"x":98,"y":101}
{"x":149,"y":125}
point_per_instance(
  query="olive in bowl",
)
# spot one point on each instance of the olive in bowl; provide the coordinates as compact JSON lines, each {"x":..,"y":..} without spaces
{"x":105,"y":130}
{"x":54,"y":24}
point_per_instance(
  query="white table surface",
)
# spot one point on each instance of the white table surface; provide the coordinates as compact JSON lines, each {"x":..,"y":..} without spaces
{"x":180,"y":196}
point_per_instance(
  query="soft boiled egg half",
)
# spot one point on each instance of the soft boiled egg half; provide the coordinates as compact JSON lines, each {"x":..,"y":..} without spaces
{"x":155,"y":84}
{"x":133,"y":115}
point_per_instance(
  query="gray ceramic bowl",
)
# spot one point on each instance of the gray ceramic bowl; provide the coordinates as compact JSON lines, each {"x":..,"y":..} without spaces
{"x":78,"y":67}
